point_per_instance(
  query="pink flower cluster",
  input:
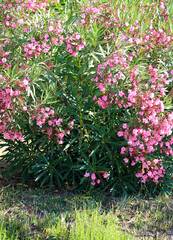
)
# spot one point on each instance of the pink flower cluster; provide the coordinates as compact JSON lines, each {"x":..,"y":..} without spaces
{"x":109,"y":18}
{"x":152,"y":126}
{"x":11,"y":100}
{"x":27,"y":5}
{"x":154,"y":170}
{"x":100,"y":15}
{"x":15,"y":96}
{"x":94,"y":178}
{"x":74,"y":43}
{"x":11,"y":11}
{"x":50,"y":125}
{"x":50,"y":32}
{"x":4,"y":55}
{"x":34,"y":5}
{"x":142,"y":89}
{"x":52,"y":35}
{"x":34,"y":49}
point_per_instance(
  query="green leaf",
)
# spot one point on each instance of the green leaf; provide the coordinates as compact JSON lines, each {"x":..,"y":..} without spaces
{"x":41,"y":175}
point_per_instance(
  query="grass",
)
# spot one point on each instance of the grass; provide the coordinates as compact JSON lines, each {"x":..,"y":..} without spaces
{"x":40,"y":214}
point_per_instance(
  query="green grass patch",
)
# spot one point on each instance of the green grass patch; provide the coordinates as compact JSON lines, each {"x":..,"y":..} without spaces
{"x":41,"y":214}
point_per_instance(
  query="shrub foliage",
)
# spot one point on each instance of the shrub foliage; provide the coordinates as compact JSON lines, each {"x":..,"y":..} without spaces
{"x":86,"y":92}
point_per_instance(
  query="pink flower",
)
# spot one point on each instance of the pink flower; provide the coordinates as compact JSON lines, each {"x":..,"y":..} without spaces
{"x":123,"y":150}
{"x":126,"y":160}
{"x":32,"y":39}
{"x":52,"y":112}
{"x":99,"y":66}
{"x":50,"y":28}
{"x":120,"y":133}
{"x":131,"y":28}
{"x":148,"y":163}
{"x":87,"y":175}
{"x":13,"y":25}
{"x":7,"y":23}
{"x":101,"y":86}
{"x":3,"y":60}
{"x":119,"y":75}
{"x":49,"y":131}
{"x":83,"y":15}
{"x":156,"y":161}
{"x":20,"y":21}
{"x":61,"y":136}
{"x":6,"y":135}
{"x":71,"y":123}
{"x":135,"y":131}
{"x":77,"y":36}
{"x":58,"y":122}
{"x":93,"y":183}
{"x":24,"y":109}
{"x":39,"y":122}
{"x":98,"y":181}
{"x":105,"y":175}
{"x":74,"y":54}
{"x":136,"y":22}
{"x":93,"y":176}
{"x":150,"y":174}
{"x":25,"y":29}
{"x":104,"y":98}
{"x":121,"y":94}
{"x":50,"y":122}
{"x":124,"y":125}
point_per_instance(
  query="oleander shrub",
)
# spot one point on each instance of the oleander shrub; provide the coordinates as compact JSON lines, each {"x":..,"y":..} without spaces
{"x":86,"y":92}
